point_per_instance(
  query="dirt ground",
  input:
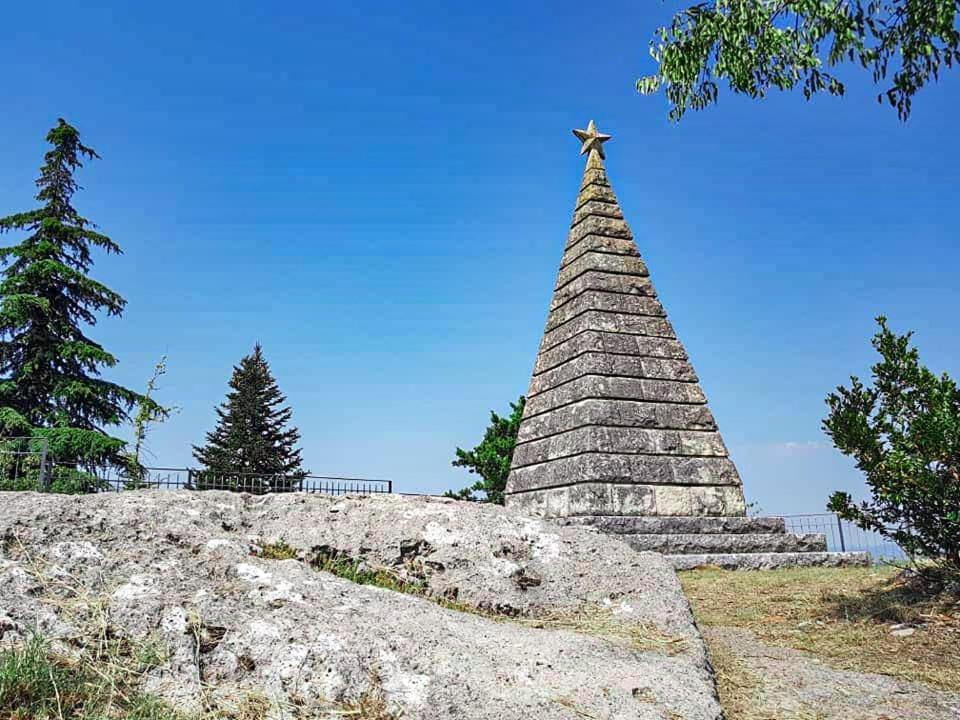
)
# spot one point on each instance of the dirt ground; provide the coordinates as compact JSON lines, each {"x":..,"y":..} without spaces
{"x":825,"y":644}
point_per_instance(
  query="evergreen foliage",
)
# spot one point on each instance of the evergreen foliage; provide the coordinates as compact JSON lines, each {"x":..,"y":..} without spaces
{"x":50,"y":370}
{"x":491,"y":458}
{"x":252,"y":448}
{"x":760,"y":45}
{"x":904,"y":434}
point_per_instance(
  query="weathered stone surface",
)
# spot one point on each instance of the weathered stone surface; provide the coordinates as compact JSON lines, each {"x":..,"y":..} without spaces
{"x":591,"y":467}
{"x":599,"y":386}
{"x":611,"y":343}
{"x":620,"y":525}
{"x":623,"y":264}
{"x":606,"y":282}
{"x":599,"y":243}
{"x":629,"y":413}
{"x":596,"y":208}
{"x":619,"y":440}
{"x":769,"y":561}
{"x":598,"y":192}
{"x":680,"y":544}
{"x":598,"y":225}
{"x":598,"y":363}
{"x":608,"y":322}
{"x":605,"y":302}
{"x":607,"y":498}
{"x":594,"y":175}
{"x":174,"y":563}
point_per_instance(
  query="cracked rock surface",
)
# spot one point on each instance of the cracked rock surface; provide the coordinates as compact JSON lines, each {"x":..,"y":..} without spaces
{"x":183,"y":568}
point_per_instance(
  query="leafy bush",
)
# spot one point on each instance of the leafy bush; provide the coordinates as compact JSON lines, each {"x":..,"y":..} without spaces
{"x":491,"y":458}
{"x":904,"y":433}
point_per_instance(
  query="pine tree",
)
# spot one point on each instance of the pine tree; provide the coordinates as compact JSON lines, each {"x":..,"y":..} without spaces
{"x":251,"y":447}
{"x":50,"y":382}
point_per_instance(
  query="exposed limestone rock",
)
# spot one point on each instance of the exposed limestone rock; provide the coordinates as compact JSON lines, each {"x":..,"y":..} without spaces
{"x":184,"y":568}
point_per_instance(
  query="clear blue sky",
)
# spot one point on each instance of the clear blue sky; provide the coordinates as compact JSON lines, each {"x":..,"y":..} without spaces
{"x":380,"y":194}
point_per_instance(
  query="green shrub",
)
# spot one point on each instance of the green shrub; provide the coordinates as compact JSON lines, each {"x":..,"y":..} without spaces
{"x":904,"y":434}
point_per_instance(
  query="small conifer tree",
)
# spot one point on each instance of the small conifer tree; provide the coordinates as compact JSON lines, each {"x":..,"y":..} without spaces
{"x":50,"y":383}
{"x":251,"y":448}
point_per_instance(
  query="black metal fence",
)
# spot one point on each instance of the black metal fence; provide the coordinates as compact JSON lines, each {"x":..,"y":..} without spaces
{"x":191,"y":479}
{"x":843,"y":536}
{"x":25,"y":465}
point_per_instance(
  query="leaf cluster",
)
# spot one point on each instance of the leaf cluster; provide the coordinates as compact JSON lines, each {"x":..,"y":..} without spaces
{"x":491,"y":458}
{"x":759,"y":45}
{"x":904,"y":434}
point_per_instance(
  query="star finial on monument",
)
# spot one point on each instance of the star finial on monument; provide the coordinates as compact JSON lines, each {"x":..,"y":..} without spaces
{"x":592,"y":139}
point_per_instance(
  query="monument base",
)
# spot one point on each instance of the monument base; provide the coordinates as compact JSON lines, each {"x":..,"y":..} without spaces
{"x":630,"y":499}
{"x":733,"y":543}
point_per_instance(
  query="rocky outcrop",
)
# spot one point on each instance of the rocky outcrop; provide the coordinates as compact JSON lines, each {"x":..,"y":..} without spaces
{"x":537,"y":620}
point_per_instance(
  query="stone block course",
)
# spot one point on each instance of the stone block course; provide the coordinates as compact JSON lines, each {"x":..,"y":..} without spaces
{"x":605,"y":302}
{"x":598,"y":225}
{"x":622,"y":525}
{"x":676,"y":544}
{"x":619,"y":440}
{"x":595,"y":191}
{"x":608,"y":322}
{"x":611,"y":343}
{"x":597,"y":208}
{"x":769,"y":561}
{"x":598,"y":243}
{"x":627,"y":469}
{"x":616,"y":413}
{"x":598,"y":363}
{"x":608,"y":498}
{"x":598,"y":280}
{"x":599,"y":386}
{"x":605,"y":262}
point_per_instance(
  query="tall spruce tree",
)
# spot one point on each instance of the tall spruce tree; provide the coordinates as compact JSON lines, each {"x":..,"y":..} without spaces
{"x":252,"y":448}
{"x":50,"y":382}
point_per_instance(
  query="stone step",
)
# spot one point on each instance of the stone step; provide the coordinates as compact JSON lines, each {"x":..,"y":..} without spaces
{"x":769,"y":561}
{"x":664,"y":525}
{"x":729,"y":543}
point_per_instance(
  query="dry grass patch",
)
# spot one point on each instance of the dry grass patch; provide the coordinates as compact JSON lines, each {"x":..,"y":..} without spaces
{"x":740,"y":691}
{"x":842,"y":615}
{"x":603,"y":623}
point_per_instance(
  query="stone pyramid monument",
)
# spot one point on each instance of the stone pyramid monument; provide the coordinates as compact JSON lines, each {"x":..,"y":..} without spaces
{"x":616,"y":432}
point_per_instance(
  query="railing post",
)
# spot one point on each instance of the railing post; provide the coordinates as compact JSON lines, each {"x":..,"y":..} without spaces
{"x":44,"y":475}
{"x":389,"y":486}
{"x":843,"y":545}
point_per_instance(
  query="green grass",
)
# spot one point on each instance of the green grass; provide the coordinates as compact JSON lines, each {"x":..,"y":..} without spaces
{"x":38,"y":684}
{"x":278,"y":550}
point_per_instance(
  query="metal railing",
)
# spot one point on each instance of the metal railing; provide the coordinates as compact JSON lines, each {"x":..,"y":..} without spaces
{"x":844,"y":536}
{"x":25,"y":465}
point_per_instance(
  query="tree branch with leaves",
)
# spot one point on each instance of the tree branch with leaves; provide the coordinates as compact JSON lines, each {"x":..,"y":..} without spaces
{"x":756,"y":46}
{"x":491,"y":458}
